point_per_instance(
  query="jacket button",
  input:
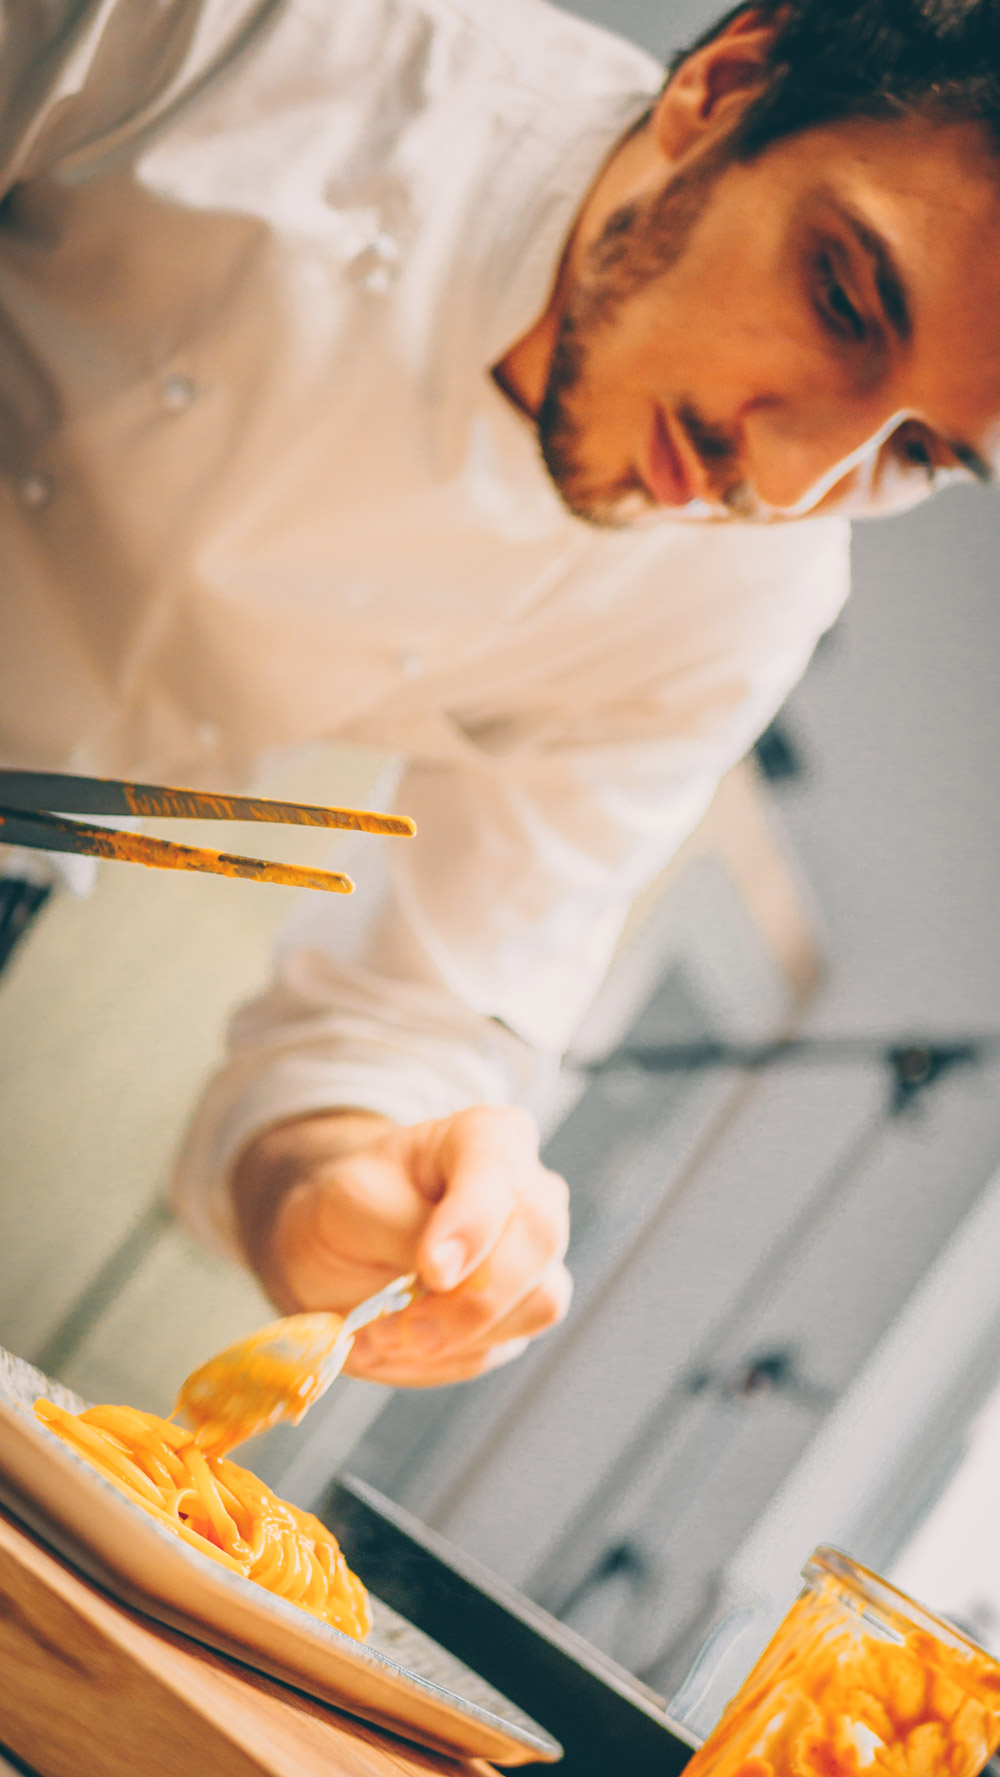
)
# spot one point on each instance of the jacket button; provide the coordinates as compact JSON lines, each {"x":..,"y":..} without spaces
{"x":178,"y":393}
{"x":380,"y":264}
{"x":36,"y":489}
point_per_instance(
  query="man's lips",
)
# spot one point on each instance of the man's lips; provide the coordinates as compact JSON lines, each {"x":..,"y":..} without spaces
{"x":668,"y":476}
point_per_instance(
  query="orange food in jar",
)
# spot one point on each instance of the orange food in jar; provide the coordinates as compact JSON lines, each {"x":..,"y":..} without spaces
{"x":858,"y":1680}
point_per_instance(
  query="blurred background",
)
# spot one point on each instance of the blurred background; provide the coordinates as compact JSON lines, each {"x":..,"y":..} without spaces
{"x":787,"y":1254}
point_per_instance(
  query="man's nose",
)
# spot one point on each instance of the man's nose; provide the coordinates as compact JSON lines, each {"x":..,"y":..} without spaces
{"x":797,"y":456}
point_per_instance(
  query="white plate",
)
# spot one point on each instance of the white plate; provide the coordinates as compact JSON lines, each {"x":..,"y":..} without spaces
{"x":399,"y":1678}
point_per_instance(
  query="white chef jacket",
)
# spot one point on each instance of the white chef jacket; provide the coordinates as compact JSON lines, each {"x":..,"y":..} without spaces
{"x":256,"y":260}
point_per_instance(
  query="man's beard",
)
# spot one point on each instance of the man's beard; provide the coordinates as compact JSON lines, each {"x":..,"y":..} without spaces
{"x":639,"y":243}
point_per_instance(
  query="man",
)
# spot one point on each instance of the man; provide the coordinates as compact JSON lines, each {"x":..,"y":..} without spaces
{"x":418,"y":372}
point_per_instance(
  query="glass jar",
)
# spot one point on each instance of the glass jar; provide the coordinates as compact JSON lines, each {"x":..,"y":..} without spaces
{"x":858,"y":1679}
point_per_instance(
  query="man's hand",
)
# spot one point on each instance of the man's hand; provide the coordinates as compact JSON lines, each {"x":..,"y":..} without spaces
{"x":331,"y":1207}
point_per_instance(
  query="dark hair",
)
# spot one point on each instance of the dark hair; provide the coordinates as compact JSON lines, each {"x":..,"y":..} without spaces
{"x":832,"y":59}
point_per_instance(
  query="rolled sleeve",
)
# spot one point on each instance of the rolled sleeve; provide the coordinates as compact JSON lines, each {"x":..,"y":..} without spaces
{"x":473,"y":951}
{"x":331,"y":1035}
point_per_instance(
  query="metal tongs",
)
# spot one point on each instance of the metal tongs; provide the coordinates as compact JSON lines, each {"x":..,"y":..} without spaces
{"x":27,"y":796}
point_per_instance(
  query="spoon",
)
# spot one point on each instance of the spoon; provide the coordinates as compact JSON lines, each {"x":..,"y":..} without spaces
{"x":279,"y":1371}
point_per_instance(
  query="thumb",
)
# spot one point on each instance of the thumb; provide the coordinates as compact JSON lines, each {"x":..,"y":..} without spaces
{"x":483,"y":1155}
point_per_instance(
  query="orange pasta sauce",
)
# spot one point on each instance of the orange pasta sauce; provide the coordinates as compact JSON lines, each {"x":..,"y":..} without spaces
{"x":260,"y":1380}
{"x":848,"y":1687}
{"x":218,"y":1508}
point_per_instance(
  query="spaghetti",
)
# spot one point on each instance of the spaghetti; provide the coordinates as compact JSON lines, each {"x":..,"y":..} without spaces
{"x":217,"y":1507}
{"x":275,"y":1373}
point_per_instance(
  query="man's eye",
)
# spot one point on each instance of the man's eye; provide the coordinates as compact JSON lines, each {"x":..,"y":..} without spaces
{"x":835,"y":307}
{"x":915,"y":454}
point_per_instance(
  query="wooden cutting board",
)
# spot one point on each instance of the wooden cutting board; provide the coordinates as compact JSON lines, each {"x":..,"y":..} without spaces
{"x":88,"y":1687}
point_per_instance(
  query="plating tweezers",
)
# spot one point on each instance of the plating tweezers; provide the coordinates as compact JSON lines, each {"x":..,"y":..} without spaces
{"x":27,"y":796}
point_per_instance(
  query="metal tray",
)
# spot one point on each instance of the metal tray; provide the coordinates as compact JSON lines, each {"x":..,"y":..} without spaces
{"x":609,"y":1723}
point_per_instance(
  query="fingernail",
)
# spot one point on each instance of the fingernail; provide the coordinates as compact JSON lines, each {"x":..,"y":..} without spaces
{"x":448,"y":1260}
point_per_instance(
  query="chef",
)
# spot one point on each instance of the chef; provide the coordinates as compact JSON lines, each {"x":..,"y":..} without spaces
{"x":428,"y":375}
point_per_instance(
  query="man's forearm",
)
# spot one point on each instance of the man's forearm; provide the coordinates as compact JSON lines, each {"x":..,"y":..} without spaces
{"x":279,"y":1158}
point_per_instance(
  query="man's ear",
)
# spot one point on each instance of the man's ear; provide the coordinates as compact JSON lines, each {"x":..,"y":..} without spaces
{"x":713,"y":84}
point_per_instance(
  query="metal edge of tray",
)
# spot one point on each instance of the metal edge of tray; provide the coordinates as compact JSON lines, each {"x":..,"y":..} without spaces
{"x":607,"y":1720}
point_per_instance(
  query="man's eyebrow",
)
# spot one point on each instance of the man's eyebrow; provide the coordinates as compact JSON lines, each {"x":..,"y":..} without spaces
{"x":889,"y":280}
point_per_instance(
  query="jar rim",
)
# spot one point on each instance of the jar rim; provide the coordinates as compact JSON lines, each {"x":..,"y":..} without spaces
{"x":827,"y":1560}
